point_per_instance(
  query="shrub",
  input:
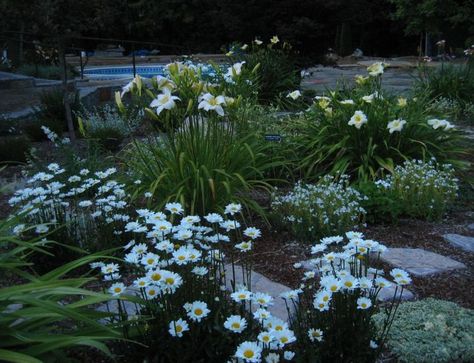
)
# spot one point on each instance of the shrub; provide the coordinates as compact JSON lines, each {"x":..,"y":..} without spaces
{"x":332,"y":318}
{"x":195,"y":308}
{"x":454,"y":82}
{"x":43,"y":317}
{"x":277,"y":70}
{"x":13,"y":149}
{"x":415,"y":189}
{"x":431,"y":330}
{"x":51,"y":114}
{"x":364,"y":133}
{"x":313,"y":211}
{"x":107,"y":126}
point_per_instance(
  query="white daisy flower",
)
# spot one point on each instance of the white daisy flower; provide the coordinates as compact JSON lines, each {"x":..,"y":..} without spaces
{"x":315,"y":335}
{"x":363,"y":303}
{"x":178,"y":327}
{"x":249,"y":352}
{"x":117,"y":289}
{"x":197,"y":310}
{"x":235,"y":323}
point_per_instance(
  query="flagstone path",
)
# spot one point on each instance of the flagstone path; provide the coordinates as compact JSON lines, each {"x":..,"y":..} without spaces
{"x":397,"y":80}
{"x":420,"y":262}
{"x":459,"y":241}
{"x":262,"y":284}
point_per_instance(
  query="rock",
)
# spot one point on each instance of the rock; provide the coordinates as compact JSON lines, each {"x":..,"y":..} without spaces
{"x":307,"y":265}
{"x":470,"y":226}
{"x":387,"y":293}
{"x":262,"y":284}
{"x":420,"y":262}
{"x":358,"y":53}
{"x":463,"y":242}
{"x":131,"y":308}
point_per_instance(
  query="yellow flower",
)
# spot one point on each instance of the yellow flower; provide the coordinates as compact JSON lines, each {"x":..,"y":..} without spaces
{"x":402,"y":102}
{"x":274,"y":39}
{"x":360,"y":80}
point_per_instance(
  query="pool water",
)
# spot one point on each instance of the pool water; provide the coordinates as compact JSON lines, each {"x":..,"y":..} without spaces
{"x":119,"y":72}
{"x":146,"y":71}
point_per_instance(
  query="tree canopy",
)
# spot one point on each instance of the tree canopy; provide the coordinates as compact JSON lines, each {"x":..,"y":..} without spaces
{"x":378,"y":27}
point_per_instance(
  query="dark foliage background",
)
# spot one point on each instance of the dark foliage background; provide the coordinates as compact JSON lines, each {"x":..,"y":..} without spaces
{"x":378,"y":27}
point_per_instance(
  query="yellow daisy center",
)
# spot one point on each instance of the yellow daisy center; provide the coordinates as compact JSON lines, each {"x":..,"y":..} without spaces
{"x":249,"y":353}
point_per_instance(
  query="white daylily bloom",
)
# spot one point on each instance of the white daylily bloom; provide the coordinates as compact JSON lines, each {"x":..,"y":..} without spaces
{"x":274,"y":39}
{"x":436,"y":124}
{"x":258,"y":42}
{"x":347,"y":102}
{"x":129,"y":86}
{"x":165,"y":83}
{"x":396,"y":125}
{"x":234,"y":70}
{"x":376,"y":69}
{"x":212,"y":103}
{"x":294,"y":95}
{"x":358,"y":119}
{"x":164,"y":101}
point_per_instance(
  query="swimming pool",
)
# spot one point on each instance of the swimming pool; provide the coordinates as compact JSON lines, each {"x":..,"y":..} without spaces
{"x":146,"y":71}
{"x":121,"y":72}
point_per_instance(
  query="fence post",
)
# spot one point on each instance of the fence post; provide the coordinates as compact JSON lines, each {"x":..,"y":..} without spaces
{"x":133,"y":61}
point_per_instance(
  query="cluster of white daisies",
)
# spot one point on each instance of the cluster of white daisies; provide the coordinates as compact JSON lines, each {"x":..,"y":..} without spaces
{"x":341,"y":270}
{"x":170,"y":247}
{"x":53,"y":197}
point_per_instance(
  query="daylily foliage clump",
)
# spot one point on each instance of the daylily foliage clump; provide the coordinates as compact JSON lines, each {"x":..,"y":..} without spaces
{"x":365,"y":132}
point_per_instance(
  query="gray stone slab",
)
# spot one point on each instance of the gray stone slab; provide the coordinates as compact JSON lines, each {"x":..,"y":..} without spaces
{"x":459,"y":241}
{"x":262,"y":284}
{"x":470,"y":226}
{"x":420,"y":262}
{"x":387,"y":294}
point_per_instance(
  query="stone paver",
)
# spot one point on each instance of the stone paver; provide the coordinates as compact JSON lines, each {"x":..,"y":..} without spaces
{"x":321,"y":78}
{"x":262,"y":284}
{"x":112,"y":306}
{"x":420,"y":262}
{"x":386,"y":294}
{"x":459,"y":241}
{"x":471,"y":226}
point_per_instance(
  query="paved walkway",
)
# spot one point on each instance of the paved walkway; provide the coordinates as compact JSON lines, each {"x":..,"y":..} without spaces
{"x":397,"y":80}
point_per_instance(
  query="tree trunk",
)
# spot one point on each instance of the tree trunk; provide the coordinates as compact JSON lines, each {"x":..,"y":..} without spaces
{"x":67,"y":105}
